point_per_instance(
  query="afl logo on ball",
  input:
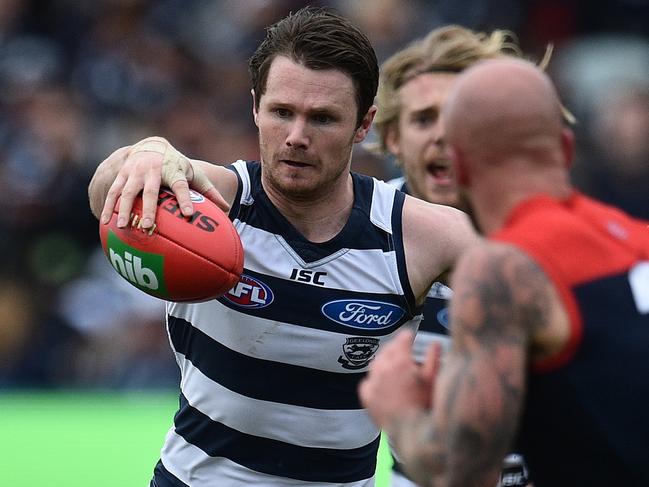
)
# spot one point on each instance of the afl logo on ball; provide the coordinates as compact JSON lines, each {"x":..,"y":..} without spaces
{"x":250,"y":293}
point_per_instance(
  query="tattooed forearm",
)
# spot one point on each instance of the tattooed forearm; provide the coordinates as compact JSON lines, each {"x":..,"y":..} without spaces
{"x":501,"y":299}
{"x":478,"y":415}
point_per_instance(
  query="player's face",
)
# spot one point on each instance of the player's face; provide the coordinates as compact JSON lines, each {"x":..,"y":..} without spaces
{"x":418,"y":139}
{"x":307,"y":128}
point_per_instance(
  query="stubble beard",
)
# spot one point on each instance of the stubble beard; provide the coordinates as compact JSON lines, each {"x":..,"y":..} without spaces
{"x":297,"y":189}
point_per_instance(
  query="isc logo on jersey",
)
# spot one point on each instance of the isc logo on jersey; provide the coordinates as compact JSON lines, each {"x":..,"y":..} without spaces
{"x":250,"y":293}
{"x":142,"y":269}
{"x":362,"y":313}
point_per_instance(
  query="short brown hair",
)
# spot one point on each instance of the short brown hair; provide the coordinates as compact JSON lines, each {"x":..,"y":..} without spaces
{"x":448,"y":49}
{"x":319,"y":38}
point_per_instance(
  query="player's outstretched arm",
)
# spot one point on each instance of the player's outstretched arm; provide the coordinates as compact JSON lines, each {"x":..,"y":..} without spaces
{"x":143,"y":168}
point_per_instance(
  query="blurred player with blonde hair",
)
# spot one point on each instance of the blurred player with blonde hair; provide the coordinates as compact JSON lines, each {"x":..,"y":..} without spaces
{"x":413,"y":87}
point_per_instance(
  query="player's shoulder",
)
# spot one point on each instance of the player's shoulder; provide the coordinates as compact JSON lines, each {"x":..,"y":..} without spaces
{"x":498,"y":288}
{"x":490,"y":255}
{"x":499,"y":268}
{"x":443,"y":221}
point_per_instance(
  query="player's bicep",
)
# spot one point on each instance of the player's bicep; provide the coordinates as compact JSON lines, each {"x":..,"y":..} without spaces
{"x":434,"y":236}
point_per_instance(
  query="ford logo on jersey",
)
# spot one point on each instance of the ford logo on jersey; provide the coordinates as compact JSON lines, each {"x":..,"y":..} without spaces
{"x":250,"y":293}
{"x":361,"y":313}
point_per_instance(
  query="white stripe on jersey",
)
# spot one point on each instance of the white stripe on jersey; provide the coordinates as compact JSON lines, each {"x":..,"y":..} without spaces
{"x":261,"y":338}
{"x":381,"y":212}
{"x":423,"y":341}
{"x":263,"y":255}
{"x":314,"y":428}
{"x":240,"y":166}
{"x":181,"y":458}
{"x":397,"y":182}
{"x":398,"y":480}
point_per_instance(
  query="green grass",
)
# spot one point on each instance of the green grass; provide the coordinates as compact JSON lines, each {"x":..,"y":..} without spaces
{"x":90,"y":440}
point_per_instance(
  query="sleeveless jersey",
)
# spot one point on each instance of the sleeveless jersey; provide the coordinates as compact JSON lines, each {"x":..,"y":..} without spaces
{"x":433,"y":328}
{"x":269,"y":371}
{"x":434,"y":324}
{"x":585,"y":420}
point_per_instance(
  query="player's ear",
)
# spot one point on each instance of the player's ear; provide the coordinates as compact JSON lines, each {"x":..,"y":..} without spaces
{"x":366,"y":123}
{"x":392,"y":139}
{"x":568,"y":146}
{"x":255,"y":111}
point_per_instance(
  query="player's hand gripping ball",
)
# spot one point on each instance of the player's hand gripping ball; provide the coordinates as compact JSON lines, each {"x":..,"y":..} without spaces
{"x":183,"y":258}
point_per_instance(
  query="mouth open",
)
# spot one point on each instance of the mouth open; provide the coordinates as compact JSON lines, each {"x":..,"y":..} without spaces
{"x":441,"y":173}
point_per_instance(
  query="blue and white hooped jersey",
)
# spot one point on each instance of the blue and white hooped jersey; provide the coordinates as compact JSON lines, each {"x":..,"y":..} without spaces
{"x":270,"y":370}
{"x":434,"y":326}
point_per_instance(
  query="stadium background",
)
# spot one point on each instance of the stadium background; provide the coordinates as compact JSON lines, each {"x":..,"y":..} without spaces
{"x":87,"y":381}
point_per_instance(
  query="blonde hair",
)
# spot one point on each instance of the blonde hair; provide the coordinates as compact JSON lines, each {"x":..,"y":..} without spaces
{"x":446,"y":49}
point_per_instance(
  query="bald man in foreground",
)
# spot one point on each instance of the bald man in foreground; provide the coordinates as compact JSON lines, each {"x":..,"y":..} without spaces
{"x":550,"y":317}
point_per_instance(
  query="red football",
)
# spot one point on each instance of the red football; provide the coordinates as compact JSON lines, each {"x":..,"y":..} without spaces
{"x":184,"y":258}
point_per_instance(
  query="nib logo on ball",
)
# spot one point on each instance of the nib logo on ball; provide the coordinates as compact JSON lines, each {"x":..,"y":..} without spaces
{"x":186,"y":259}
{"x":143,"y":269}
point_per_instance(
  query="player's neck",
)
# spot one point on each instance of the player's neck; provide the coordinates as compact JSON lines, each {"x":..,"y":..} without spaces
{"x":318,"y":217}
{"x":493,"y":204}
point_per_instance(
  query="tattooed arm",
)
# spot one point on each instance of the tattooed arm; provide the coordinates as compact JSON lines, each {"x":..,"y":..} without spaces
{"x":501,"y":300}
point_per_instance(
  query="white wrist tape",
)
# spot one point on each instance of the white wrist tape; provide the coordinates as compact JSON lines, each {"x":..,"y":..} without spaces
{"x":175,"y":166}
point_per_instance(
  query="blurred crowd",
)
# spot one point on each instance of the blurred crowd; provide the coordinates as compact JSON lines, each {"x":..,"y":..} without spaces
{"x":80,"y":78}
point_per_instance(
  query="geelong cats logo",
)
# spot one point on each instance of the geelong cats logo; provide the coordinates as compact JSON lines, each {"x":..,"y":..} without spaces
{"x":358,"y":352}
